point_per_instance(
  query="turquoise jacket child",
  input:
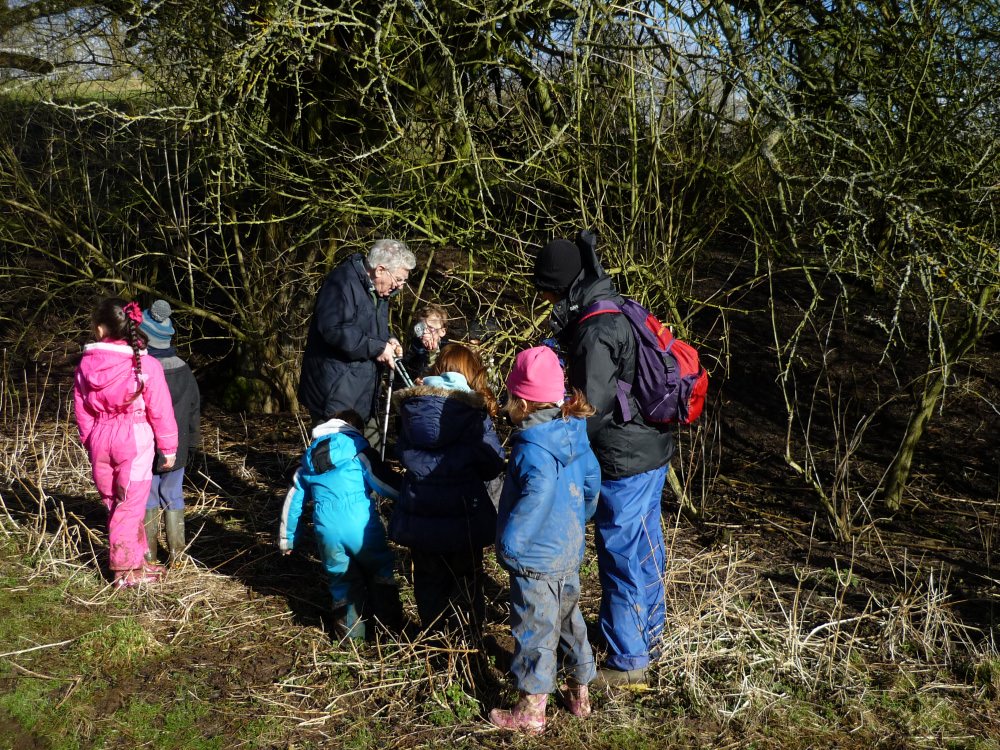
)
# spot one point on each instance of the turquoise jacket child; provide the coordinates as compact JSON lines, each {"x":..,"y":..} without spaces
{"x":341,"y":473}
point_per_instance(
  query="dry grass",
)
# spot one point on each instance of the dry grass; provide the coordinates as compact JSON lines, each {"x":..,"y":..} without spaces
{"x":754,"y":653}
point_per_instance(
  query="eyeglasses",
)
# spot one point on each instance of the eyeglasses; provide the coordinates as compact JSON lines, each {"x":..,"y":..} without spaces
{"x":396,"y":281}
{"x":433,"y":329}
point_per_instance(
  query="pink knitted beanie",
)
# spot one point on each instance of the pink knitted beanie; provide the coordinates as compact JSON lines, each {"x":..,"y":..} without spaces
{"x":537,"y":376}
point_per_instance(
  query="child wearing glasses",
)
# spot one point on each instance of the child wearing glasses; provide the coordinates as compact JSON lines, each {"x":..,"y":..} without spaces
{"x":430,"y":334}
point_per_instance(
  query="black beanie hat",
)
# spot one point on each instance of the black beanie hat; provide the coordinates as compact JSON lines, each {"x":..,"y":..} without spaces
{"x":557,"y":265}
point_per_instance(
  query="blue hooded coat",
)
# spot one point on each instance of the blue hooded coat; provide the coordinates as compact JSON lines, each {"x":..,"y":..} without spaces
{"x":450,"y":449}
{"x":339,"y":473}
{"x":550,"y":491}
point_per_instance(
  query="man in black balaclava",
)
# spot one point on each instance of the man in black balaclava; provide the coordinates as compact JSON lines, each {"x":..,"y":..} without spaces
{"x":634,"y":454}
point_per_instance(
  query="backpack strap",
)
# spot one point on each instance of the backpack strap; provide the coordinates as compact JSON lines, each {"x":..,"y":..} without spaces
{"x":319,"y":454}
{"x":601,"y":307}
{"x":622,"y":389}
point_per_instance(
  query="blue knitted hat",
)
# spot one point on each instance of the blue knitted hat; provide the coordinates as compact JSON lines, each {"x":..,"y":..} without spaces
{"x":156,"y":324}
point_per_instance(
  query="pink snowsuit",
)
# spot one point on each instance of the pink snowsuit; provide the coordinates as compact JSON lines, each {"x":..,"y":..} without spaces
{"x":119,"y":436}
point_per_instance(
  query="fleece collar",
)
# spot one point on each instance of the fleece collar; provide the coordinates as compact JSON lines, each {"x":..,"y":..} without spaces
{"x":109,"y":346}
{"x":540,"y":417}
{"x":332,"y":427}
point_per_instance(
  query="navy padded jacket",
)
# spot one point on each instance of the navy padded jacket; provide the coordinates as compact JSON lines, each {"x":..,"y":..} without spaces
{"x":348,"y":330}
{"x":450,"y":449}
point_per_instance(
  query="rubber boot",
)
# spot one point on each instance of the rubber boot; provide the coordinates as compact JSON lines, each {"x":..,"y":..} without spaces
{"x":610,"y":678}
{"x":175,"y":536}
{"x":528,"y":715}
{"x":576,"y":698}
{"x":152,"y":524}
{"x":348,"y":623}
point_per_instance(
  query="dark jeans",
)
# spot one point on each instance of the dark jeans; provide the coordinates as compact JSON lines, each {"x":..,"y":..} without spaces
{"x":449,"y":589}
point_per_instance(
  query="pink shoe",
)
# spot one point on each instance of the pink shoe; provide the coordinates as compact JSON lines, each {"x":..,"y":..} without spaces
{"x":576,"y":699}
{"x":153,"y":568}
{"x":527,"y":716}
{"x":148,"y":573}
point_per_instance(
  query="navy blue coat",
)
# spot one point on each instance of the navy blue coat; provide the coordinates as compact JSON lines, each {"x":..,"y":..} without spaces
{"x":186,"y":399}
{"x":551,"y":489}
{"x":348,"y":330}
{"x":450,"y":449}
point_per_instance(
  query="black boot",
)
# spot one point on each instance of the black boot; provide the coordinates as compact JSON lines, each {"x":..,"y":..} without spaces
{"x":175,"y":536}
{"x":152,"y":524}
{"x":387,"y":607}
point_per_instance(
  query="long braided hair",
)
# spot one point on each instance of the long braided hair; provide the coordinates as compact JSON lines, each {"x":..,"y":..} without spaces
{"x":119,"y":320}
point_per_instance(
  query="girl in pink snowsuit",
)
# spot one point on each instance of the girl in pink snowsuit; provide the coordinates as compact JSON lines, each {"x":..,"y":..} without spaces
{"x":123,"y":409}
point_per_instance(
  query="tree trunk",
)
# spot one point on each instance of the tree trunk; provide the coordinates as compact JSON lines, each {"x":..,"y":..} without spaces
{"x":934,"y":381}
{"x":899,"y":471}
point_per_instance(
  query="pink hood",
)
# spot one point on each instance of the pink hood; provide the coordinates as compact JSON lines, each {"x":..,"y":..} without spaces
{"x":105,"y":382}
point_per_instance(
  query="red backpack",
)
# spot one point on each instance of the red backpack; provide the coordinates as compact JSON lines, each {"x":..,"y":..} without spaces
{"x":670,"y":384}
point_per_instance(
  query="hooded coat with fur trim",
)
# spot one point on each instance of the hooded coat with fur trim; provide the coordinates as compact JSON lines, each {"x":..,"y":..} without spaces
{"x":449,"y":447}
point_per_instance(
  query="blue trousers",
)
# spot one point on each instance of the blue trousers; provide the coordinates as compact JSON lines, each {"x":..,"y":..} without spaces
{"x":357,"y":559}
{"x":167,"y":491}
{"x":548,"y":628}
{"x":630,"y":562}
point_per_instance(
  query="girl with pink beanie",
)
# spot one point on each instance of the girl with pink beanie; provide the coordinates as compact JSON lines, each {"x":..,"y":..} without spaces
{"x":121,"y":402}
{"x":549,"y":493}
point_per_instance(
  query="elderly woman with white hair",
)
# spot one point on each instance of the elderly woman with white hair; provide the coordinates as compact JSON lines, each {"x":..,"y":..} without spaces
{"x":349,"y":332}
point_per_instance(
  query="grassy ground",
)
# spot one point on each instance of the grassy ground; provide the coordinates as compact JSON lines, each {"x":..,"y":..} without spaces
{"x":75,"y":91}
{"x":201,"y":662}
{"x":775,"y":638}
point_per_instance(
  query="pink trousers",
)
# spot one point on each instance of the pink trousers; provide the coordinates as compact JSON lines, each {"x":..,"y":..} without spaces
{"x":121,"y":454}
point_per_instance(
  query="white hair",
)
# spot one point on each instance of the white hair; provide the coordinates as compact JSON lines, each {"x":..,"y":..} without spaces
{"x":391,"y":254}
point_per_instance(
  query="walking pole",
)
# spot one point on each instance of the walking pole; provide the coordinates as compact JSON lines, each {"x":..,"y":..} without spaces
{"x":388,"y":407}
{"x":403,"y":374}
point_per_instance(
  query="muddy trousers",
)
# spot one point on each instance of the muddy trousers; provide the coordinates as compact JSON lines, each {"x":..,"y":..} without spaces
{"x":121,"y":457}
{"x":630,"y":559}
{"x":550,"y":635}
{"x":359,"y":565}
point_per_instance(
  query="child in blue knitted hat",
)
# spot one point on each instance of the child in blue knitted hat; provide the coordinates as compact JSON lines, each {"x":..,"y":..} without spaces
{"x":167,"y":491}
